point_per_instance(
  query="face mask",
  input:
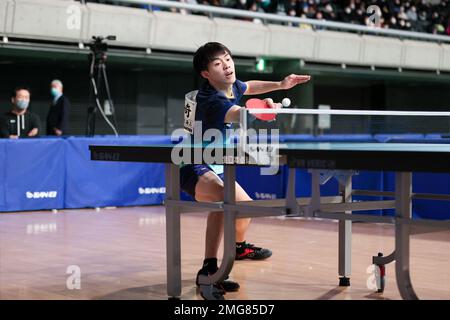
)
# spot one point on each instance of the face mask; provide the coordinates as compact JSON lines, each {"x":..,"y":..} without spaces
{"x":22,"y":104}
{"x":54,"y":92}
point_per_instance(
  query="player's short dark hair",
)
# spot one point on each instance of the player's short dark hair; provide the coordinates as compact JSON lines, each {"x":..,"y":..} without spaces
{"x":206,"y":53}
{"x":14,"y":92}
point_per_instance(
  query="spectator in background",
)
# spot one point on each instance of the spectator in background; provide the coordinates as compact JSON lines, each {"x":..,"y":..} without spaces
{"x":290,"y":7}
{"x":310,"y":9}
{"x":346,"y":15}
{"x":269,"y":6}
{"x":319,"y":16}
{"x":19,"y":122}
{"x":393,"y":23}
{"x":305,"y":26}
{"x":239,"y":4}
{"x":58,"y":115}
{"x":412,"y":13}
{"x":254,"y":5}
{"x":402,"y":14}
{"x":329,"y":12}
{"x":292,"y":13}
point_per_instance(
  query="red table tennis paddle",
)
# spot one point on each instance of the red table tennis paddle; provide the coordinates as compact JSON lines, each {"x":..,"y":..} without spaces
{"x":255,"y":103}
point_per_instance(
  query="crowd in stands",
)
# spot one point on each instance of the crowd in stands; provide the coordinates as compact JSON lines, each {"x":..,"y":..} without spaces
{"x":431,"y":16}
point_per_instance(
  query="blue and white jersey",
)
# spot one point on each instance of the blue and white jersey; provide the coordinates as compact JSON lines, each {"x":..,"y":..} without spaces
{"x":209,"y":108}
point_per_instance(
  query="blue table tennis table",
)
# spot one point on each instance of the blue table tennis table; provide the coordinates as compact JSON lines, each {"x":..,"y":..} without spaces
{"x":318,"y":157}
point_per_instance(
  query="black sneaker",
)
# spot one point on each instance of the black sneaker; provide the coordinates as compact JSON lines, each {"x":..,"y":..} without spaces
{"x":225,"y":285}
{"x":249,"y":251}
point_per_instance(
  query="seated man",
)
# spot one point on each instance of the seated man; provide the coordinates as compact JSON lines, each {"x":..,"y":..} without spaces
{"x":19,"y":122}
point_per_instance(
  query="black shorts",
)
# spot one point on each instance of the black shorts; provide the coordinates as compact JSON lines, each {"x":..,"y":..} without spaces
{"x":189,"y":177}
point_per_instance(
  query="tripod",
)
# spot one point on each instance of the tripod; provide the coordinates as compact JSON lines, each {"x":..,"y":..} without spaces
{"x":98,"y":80}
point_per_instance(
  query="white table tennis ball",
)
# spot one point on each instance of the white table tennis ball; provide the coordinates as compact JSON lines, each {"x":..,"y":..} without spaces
{"x":286,"y":102}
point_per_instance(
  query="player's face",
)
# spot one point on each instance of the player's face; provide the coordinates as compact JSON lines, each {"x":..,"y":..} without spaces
{"x":221,"y":70}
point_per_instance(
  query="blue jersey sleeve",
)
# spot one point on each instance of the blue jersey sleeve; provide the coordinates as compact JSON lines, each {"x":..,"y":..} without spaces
{"x":240,"y":88}
{"x":215,"y":110}
{"x":213,"y":106}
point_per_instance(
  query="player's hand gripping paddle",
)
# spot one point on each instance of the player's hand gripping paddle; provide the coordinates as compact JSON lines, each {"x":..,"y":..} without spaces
{"x":255,"y":103}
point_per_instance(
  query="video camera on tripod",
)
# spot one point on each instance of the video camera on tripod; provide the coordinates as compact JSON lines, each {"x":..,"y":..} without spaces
{"x":99,"y":83}
{"x":99,"y":47}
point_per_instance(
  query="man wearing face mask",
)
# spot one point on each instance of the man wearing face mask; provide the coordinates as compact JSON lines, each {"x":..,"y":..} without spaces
{"x":58,"y":115}
{"x":19,"y":122}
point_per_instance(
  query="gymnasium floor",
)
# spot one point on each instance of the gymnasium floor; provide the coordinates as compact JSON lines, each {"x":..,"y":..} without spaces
{"x":121,"y":255}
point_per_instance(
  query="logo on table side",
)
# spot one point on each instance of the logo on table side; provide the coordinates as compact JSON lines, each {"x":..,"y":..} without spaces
{"x":314,"y":163}
{"x":41,"y":194}
{"x":254,"y":147}
{"x":269,"y":196}
{"x":107,"y":156}
{"x":150,"y":190}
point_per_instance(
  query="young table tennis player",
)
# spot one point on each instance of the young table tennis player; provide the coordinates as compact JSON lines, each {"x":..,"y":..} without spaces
{"x":217,"y":107}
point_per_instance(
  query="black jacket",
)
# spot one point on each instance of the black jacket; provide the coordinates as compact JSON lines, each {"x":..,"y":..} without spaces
{"x":58,"y":116}
{"x":19,"y":125}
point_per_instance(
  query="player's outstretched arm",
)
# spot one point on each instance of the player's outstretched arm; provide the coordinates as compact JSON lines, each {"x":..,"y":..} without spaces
{"x":260,"y":87}
{"x":292,"y":80}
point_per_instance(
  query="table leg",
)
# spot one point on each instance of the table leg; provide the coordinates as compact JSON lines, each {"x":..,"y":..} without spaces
{"x":345,"y":236}
{"x":229,"y":251}
{"x":173,"y":234}
{"x":403,"y":208}
{"x":315,"y":194}
{"x":291,"y":198}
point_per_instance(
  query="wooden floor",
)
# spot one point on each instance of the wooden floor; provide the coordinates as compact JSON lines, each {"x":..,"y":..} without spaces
{"x":121,"y":255}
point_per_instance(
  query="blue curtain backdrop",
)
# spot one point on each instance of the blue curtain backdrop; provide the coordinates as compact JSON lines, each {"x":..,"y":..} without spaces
{"x":34,"y":174}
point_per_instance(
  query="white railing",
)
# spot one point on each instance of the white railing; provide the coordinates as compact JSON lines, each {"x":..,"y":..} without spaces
{"x":287,"y":19}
